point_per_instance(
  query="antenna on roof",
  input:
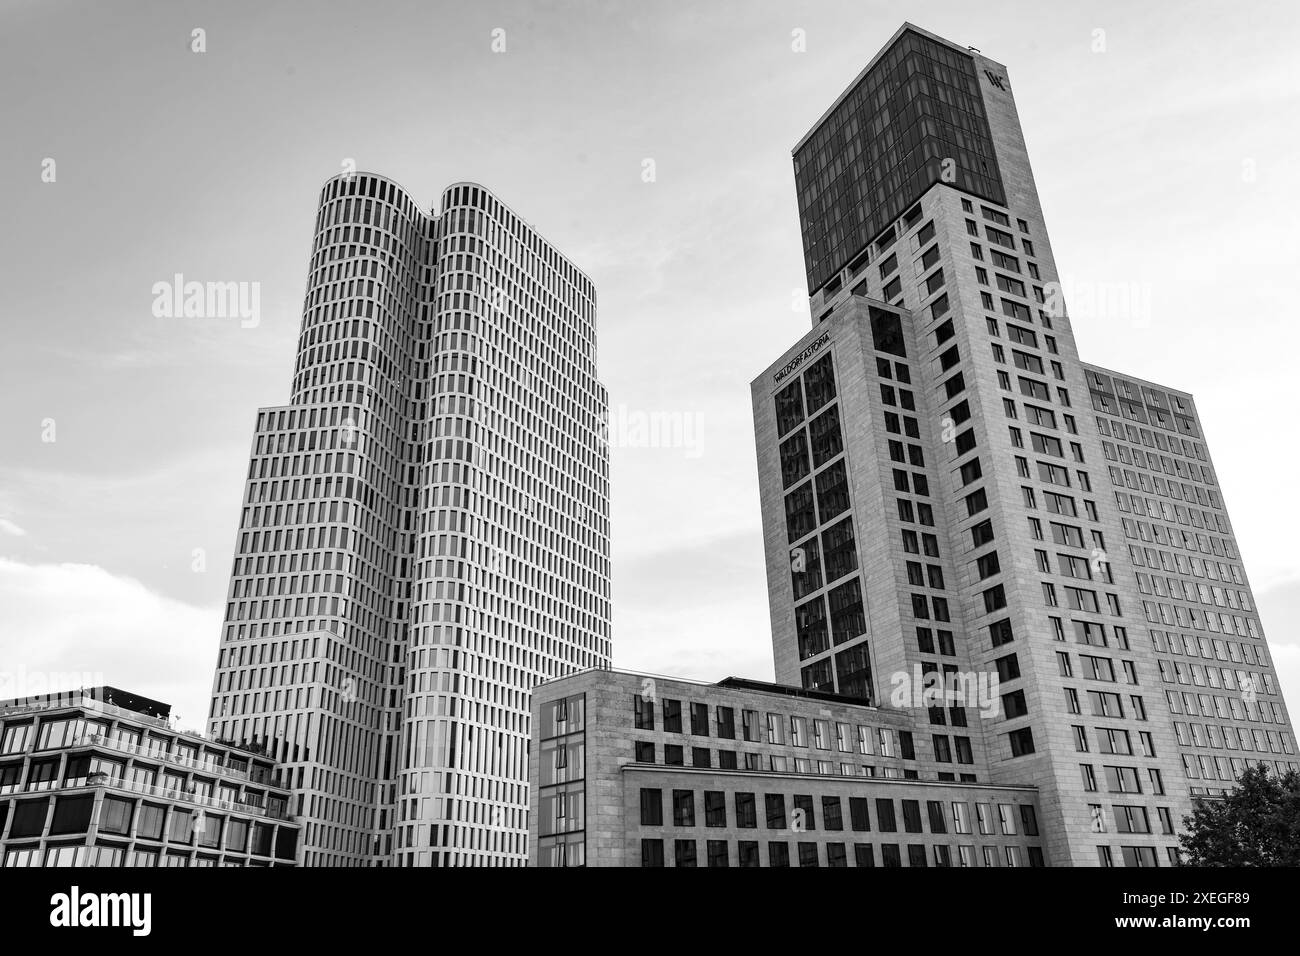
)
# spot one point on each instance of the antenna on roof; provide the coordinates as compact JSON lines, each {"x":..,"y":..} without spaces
{"x":973,"y":49}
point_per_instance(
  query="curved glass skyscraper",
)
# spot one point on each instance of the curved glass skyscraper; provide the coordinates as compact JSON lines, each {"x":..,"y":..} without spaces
{"x":425,"y":530}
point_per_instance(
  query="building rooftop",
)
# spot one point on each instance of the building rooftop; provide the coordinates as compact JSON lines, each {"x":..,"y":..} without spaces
{"x":907,"y":27}
{"x":729,"y":683}
{"x":789,"y":690}
{"x":114,"y":696}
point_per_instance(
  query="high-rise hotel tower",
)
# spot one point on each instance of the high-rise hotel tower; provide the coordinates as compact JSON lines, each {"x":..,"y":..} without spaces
{"x":424,"y":534}
{"x":947,"y":488}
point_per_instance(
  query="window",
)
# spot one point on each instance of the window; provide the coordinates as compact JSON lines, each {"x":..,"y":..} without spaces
{"x":16,"y":738}
{"x":10,"y":777}
{"x":822,"y":734}
{"x":114,"y":816}
{"x":1139,"y":855}
{"x":179,"y":831}
{"x":885,"y":819}
{"x":1032,"y":388}
{"x":700,"y":719}
{"x":1122,"y":780}
{"x":1008,"y":667}
{"x":672,"y":716}
{"x":832,"y":813}
{"x":819,"y":383}
{"x":643,"y":712}
{"x":905,"y":748}
{"x":774,"y":729}
{"x":1009,"y":285}
{"x":1113,"y":741}
{"x":1000,"y":632}
{"x":1022,"y":740}
{"x":998,"y":237}
{"x":995,"y":598}
{"x":942,"y":749}
{"x":798,"y":732}
{"x":775,"y":804}
{"x":987,"y":565}
{"x":1131,"y":819}
{"x":652,"y":852}
{"x":236,"y":834}
{"x":71,"y":815}
{"x":859,"y":818}
{"x":912,"y":816}
{"x":746,"y":811}
{"x":652,"y":807}
{"x":726,"y":723}
{"x":1166,"y":820}
{"x":683,"y":808}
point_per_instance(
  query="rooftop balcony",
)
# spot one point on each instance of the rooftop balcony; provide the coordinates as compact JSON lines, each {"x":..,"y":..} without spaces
{"x":181,"y":797}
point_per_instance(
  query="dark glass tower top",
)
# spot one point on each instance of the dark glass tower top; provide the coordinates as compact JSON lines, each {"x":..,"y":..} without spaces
{"x":885,"y":142}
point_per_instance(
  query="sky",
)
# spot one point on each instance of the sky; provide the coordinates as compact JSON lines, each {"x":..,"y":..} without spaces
{"x":650,"y":142}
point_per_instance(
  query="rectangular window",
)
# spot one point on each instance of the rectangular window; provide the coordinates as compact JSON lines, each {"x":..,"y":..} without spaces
{"x":652,"y":853}
{"x":885,"y":819}
{"x":643,"y":712}
{"x":652,"y":807}
{"x":775,"y":804}
{"x":700,"y":719}
{"x":715,"y":808}
{"x":746,"y":811}
{"x":672,"y":716}
{"x":726,"y":723}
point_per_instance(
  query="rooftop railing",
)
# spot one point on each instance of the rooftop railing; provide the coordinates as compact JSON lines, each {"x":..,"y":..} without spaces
{"x":101,"y":779}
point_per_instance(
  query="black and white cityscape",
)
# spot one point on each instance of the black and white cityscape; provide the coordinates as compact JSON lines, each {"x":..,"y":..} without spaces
{"x":579,"y":434}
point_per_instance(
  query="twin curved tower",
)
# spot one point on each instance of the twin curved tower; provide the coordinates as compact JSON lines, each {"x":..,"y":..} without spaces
{"x":424,"y":535}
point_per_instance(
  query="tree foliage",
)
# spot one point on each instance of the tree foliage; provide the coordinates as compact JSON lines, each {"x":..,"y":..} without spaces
{"x":1256,"y":824}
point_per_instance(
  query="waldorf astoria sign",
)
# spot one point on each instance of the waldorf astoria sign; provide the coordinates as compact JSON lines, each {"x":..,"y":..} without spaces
{"x":804,"y":354}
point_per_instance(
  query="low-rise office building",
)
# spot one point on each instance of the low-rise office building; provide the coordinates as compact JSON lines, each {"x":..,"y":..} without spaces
{"x":631,"y":770}
{"x":98,"y":777}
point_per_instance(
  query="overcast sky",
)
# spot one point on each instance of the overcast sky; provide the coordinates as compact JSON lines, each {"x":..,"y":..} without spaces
{"x":1165,"y":149}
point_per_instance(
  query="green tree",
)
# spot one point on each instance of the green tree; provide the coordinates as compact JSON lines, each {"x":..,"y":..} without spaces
{"x":1256,"y":824}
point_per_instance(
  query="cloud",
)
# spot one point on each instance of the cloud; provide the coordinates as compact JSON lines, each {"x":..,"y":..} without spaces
{"x":72,"y":624}
{"x":150,"y":520}
{"x":8,"y":527}
{"x":697,"y":611}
